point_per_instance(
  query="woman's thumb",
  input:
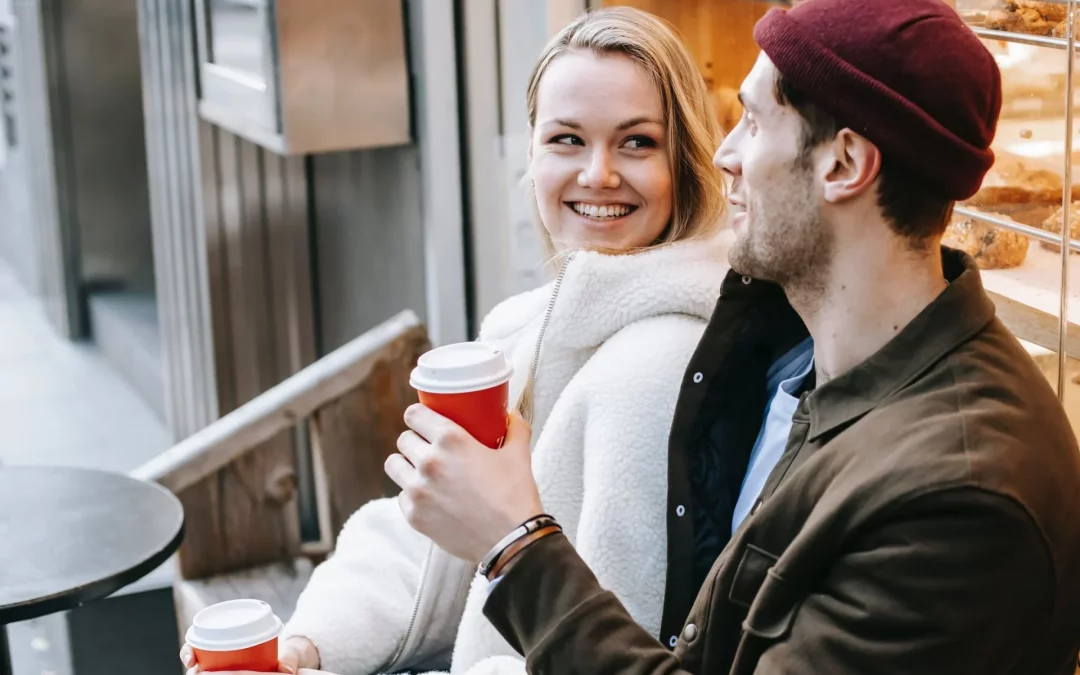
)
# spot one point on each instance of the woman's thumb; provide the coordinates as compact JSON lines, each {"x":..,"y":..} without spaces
{"x":518,"y":432}
{"x":289,"y":660}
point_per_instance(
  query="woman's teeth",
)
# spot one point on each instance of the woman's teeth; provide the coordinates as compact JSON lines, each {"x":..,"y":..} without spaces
{"x":602,"y":212}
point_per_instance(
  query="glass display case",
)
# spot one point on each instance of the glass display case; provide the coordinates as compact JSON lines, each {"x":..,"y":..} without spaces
{"x":1018,"y":223}
{"x":1022,"y":226}
{"x":305,"y":76}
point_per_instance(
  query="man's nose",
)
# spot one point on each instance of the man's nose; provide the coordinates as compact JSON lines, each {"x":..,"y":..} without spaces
{"x":727,"y":159}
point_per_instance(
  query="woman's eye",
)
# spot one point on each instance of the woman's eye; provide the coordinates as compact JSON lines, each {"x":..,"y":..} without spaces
{"x":567,"y":139}
{"x":639,"y":142}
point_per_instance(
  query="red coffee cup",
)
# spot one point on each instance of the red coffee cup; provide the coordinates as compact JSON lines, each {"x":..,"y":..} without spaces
{"x":468,"y":383}
{"x":236,"y":635}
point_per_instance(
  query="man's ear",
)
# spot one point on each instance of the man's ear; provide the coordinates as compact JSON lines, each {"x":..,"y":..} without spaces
{"x":852,"y":166}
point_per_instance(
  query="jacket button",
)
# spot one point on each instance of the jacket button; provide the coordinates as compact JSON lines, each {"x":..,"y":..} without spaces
{"x":672,"y":641}
{"x":690,"y":632}
{"x":680,"y":510}
{"x":746,"y":281}
{"x":698,"y":377}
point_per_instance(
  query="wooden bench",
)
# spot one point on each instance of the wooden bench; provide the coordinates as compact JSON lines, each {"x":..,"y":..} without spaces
{"x":238,"y":481}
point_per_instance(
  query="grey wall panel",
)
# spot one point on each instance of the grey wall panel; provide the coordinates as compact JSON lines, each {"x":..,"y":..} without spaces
{"x":47,"y":171}
{"x":180,"y":248}
{"x":370,"y":239}
{"x":18,"y":240}
{"x":18,"y":243}
{"x":104,"y":118}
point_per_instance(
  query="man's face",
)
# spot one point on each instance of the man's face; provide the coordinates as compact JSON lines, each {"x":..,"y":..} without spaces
{"x":774,"y":196}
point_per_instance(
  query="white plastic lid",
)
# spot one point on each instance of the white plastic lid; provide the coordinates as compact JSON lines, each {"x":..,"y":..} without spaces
{"x":461,"y":368}
{"x":236,"y":624}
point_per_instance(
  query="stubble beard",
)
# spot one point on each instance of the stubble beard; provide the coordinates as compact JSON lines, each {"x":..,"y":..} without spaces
{"x":785,"y":240}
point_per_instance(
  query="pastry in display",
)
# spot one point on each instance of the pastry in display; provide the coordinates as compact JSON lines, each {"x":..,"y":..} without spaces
{"x":991,"y":246}
{"x":1059,"y":30}
{"x":1027,"y":16}
{"x":1013,"y":181}
{"x":1020,"y":17}
{"x":1054,"y":223}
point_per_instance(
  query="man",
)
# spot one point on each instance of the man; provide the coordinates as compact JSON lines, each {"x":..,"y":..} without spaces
{"x":917,"y":511}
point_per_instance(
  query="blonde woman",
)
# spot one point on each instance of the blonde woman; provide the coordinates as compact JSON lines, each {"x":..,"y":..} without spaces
{"x":621,"y":167}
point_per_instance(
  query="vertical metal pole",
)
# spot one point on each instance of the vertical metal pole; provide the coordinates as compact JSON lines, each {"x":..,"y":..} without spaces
{"x":1066,"y":226}
{"x":5,"y":653}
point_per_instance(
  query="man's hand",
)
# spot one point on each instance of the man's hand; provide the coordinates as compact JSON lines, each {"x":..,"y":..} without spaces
{"x":294,"y":655}
{"x":457,"y":491}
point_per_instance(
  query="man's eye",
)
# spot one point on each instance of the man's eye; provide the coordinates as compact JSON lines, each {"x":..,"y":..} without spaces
{"x":751,"y":123}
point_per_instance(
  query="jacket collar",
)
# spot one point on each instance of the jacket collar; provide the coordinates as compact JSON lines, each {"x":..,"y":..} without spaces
{"x":601,"y":294}
{"x":961,"y":311}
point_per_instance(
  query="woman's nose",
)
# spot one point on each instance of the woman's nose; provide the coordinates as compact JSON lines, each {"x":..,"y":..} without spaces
{"x":600,"y":172}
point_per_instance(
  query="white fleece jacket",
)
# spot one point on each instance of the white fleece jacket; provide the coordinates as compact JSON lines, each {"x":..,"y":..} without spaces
{"x":621,"y":333}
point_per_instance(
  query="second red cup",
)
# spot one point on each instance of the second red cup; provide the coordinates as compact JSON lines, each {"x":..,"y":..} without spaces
{"x":468,"y":383}
{"x":236,"y":635}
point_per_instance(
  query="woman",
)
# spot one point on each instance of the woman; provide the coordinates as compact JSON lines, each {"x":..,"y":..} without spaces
{"x":620,"y":163}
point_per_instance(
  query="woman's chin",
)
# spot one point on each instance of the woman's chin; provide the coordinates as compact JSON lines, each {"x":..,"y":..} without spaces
{"x":603,"y":236}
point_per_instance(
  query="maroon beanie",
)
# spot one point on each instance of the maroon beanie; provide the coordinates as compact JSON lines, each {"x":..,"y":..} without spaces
{"x":907,"y":74}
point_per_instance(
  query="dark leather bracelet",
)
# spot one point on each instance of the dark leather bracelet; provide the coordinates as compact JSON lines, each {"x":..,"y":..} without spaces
{"x":513,"y":550}
{"x":528,"y":527}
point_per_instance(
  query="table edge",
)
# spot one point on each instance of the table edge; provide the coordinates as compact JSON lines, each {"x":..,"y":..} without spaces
{"x":97,"y":590}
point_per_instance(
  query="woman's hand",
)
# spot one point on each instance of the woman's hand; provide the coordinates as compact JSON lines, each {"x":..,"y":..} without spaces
{"x":294,"y":654}
{"x":458,"y":492}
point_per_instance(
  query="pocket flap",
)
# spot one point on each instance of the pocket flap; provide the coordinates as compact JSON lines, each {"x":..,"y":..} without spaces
{"x":773,"y":610}
{"x":750,"y":575}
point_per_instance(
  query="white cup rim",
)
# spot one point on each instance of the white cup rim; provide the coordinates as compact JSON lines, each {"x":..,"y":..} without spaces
{"x":265,"y":626}
{"x":474,"y":376}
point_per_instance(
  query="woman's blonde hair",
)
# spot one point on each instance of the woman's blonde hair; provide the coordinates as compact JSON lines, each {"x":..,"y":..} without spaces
{"x":692,"y":129}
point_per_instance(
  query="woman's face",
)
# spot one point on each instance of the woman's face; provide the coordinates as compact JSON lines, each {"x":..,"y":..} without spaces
{"x":598,"y":155}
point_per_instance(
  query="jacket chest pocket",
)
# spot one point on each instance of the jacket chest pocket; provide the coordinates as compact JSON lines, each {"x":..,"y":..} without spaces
{"x":770,"y":600}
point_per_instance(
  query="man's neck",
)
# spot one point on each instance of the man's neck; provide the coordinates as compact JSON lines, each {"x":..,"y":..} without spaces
{"x":870,"y":296}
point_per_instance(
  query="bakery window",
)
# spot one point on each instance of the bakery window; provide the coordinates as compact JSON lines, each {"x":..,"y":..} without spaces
{"x":1016,"y":225}
{"x":1023,"y":226}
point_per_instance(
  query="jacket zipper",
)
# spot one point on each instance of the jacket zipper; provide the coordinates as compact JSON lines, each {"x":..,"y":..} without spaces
{"x":534,"y":366}
{"x":415,"y":612}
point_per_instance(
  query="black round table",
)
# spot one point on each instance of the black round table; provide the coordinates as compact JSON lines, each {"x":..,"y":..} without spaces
{"x":69,"y":536}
